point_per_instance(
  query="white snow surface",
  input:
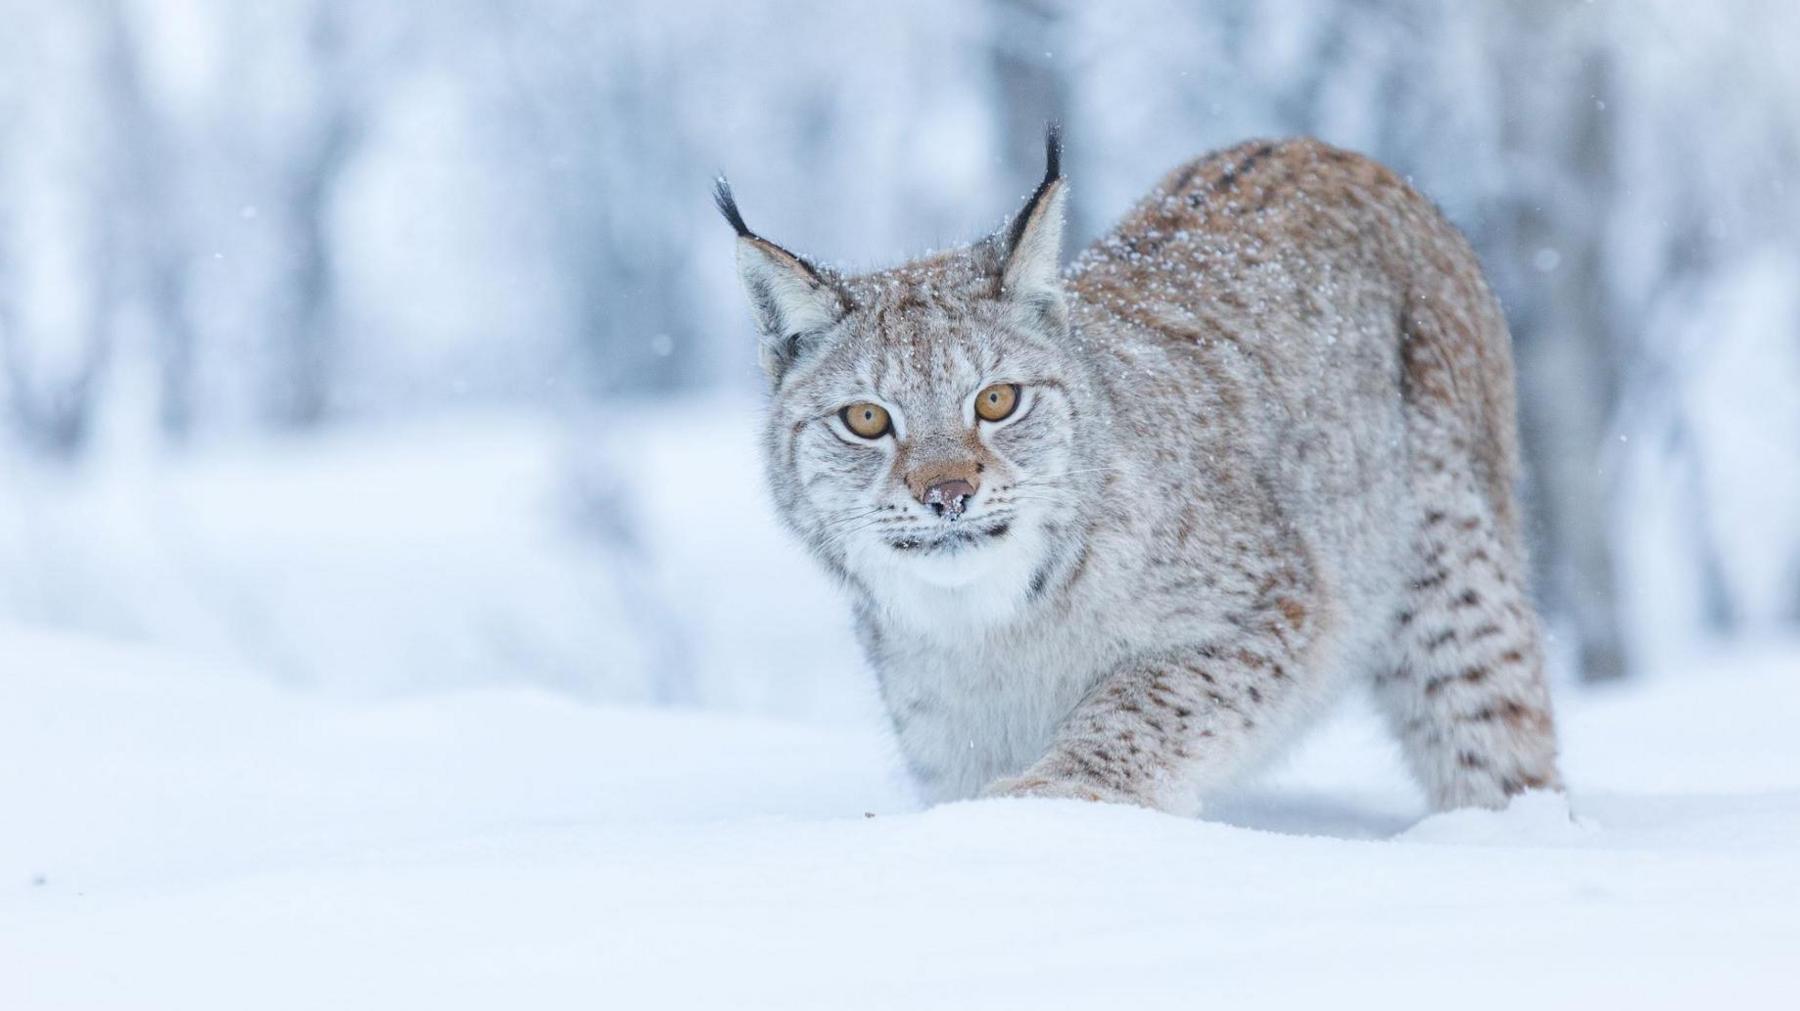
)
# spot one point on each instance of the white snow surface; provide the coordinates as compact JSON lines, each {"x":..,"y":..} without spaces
{"x":184,"y":837}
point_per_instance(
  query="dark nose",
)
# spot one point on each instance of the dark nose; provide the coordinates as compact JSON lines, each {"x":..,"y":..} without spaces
{"x":946,"y":498}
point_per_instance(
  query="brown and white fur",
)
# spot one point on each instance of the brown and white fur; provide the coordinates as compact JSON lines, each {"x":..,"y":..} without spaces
{"x":1264,"y":449}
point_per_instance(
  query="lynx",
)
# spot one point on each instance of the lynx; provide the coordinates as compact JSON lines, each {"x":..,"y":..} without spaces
{"x":1117,"y":533}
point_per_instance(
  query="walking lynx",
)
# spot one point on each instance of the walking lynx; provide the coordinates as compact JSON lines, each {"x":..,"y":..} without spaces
{"x":1116,"y":533}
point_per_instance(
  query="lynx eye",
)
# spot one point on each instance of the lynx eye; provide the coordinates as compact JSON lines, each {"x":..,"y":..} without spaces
{"x":997,"y":402}
{"x":867,"y":420}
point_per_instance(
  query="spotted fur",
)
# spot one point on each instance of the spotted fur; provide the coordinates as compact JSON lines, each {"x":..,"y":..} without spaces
{"x":1265,"y":449}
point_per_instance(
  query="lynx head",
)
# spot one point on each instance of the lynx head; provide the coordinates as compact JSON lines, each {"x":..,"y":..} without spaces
{"x":931,"y":427}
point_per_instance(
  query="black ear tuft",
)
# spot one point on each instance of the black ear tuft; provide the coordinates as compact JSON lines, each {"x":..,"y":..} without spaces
{"x":728,"y":206}
{"x":1052,"y":174}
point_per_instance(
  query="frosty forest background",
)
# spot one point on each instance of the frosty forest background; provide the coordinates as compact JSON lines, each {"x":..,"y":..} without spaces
{"x":296,"y":297}
{"x":392,"y":613}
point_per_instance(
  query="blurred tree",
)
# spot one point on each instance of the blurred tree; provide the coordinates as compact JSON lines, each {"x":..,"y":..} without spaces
{"x":1025,"y":43}
{"x":155,"y":246}
{"x":590,"y":119}
{"x":1547,"y":246}
{"x":65,"y":192}
{"x":334,"y":124}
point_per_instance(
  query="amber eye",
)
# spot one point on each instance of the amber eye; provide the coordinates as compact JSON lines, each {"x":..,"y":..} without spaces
{"x":867,"y":420}
{"x":997,"y":402}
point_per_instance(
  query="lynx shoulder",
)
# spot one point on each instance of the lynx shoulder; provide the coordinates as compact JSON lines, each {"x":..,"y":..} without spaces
{"x":1118,"y":532}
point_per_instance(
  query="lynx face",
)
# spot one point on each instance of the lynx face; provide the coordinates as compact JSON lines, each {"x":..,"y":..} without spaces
{"x":925,"y":433}
{"x":933,"y":443}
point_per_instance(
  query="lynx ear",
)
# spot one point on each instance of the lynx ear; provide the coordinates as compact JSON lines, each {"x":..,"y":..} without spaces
{"x":793,"y":302}
{"x":1033,"y":264}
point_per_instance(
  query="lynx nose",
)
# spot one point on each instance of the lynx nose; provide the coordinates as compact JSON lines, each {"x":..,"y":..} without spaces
{"x":946,"y":498}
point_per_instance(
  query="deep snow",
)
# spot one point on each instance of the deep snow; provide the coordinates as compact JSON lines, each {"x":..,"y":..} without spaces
{"x":181,"y":837}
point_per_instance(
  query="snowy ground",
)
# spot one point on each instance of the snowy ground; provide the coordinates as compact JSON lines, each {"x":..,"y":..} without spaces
{"x":366,"y":723}
{"x":184,"y":838}
{"x":626,"y":558}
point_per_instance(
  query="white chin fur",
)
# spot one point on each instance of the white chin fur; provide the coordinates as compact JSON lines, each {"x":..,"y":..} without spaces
{"x":948,"y":592}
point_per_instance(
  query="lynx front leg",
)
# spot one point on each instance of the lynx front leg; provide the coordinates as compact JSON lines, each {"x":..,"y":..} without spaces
{"x":1163,"y":729}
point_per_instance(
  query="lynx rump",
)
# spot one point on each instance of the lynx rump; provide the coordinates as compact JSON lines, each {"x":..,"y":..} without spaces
{"x":1117,"y":533}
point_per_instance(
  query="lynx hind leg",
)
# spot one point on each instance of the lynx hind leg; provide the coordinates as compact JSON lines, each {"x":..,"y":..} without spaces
{"x":1466,"y":694}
